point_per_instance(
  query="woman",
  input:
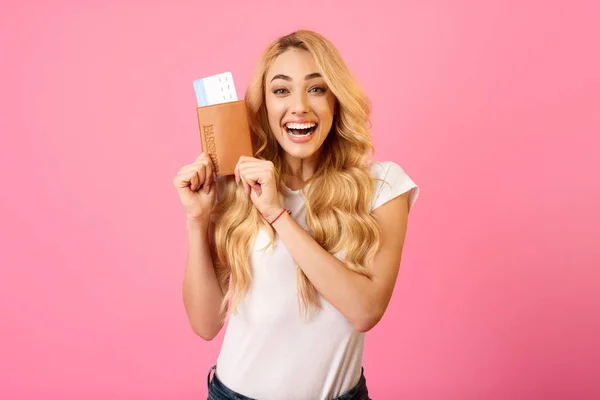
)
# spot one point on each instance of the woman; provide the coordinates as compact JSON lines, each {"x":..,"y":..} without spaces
{"x":301,"y":251}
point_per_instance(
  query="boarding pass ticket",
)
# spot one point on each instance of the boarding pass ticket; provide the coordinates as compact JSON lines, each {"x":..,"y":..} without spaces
{"x":215,"y":89}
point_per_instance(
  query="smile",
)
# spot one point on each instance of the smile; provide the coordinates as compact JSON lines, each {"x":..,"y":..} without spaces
{"x":300,"y":129}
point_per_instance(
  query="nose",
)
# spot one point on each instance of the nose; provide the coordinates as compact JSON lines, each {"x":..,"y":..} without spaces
{"x":299,"y":104}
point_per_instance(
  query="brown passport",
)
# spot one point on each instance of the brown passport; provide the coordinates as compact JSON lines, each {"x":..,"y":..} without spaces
{"x":225,"y":134}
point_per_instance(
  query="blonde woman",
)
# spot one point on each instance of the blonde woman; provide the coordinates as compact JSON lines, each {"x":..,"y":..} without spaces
{"x":300,"y":250}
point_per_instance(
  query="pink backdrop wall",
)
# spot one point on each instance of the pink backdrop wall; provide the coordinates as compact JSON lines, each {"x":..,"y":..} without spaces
{"x":492,"y":107}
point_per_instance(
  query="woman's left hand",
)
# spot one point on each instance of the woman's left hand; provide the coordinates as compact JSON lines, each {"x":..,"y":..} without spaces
{"x":258,"y":178}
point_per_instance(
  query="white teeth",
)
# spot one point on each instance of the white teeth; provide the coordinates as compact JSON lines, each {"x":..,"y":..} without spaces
{"x":293,"y":125}
{"x":300,"y":135}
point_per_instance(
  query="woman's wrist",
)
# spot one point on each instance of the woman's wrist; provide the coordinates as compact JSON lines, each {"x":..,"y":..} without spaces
{"x":197,"y":224}
{"x":274,"y":214}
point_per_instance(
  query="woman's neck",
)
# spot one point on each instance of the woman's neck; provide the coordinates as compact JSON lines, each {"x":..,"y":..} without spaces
{"x":299,"y":171}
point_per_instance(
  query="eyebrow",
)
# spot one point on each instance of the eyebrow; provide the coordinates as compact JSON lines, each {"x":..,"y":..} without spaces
{"x":306,"y":78}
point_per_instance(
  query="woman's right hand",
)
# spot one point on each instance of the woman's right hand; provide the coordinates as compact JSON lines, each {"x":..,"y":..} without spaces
{"x":196,"y":187}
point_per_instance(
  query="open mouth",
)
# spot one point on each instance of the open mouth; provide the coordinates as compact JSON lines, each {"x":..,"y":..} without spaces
{"x":301,"y":130}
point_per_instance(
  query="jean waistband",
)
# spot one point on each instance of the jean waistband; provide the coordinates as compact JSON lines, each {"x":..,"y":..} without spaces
{"x":218,"y":391}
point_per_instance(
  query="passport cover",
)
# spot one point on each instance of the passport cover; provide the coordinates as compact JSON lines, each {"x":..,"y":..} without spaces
{"x":225,"y":134}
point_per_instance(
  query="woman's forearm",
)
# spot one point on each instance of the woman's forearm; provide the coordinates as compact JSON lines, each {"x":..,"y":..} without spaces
{"x":349,"y":292}
{"x":202,"y":294}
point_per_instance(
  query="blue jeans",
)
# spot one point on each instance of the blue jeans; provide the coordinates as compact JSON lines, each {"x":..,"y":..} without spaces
{"x":218,"y":391}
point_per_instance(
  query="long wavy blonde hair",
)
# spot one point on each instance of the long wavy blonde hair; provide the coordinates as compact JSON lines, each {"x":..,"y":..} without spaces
{"x":337,"y":213}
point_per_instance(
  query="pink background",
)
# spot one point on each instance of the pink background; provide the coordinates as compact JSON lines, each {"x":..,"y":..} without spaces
{"x":492,"y":107}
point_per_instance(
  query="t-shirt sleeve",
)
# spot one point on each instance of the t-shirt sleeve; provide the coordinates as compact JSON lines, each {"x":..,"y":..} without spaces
{"x":392,"y":181}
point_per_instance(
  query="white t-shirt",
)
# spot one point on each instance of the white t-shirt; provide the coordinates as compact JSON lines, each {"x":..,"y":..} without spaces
{"x":270,"y":351}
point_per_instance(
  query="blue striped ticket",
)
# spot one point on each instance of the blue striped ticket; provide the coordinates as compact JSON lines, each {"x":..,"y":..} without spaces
{"x":215,"y":89}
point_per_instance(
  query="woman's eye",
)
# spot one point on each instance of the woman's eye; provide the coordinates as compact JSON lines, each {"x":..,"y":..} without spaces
{"x":280,"y":91}
{"x":317,"y":89}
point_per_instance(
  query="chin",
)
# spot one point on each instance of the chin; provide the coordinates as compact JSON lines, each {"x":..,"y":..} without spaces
{"x":301,"y":151}
{"x":301,"y":154}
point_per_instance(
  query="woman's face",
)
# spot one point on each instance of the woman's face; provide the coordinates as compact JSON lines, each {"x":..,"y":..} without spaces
{"x":300,"y":106}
